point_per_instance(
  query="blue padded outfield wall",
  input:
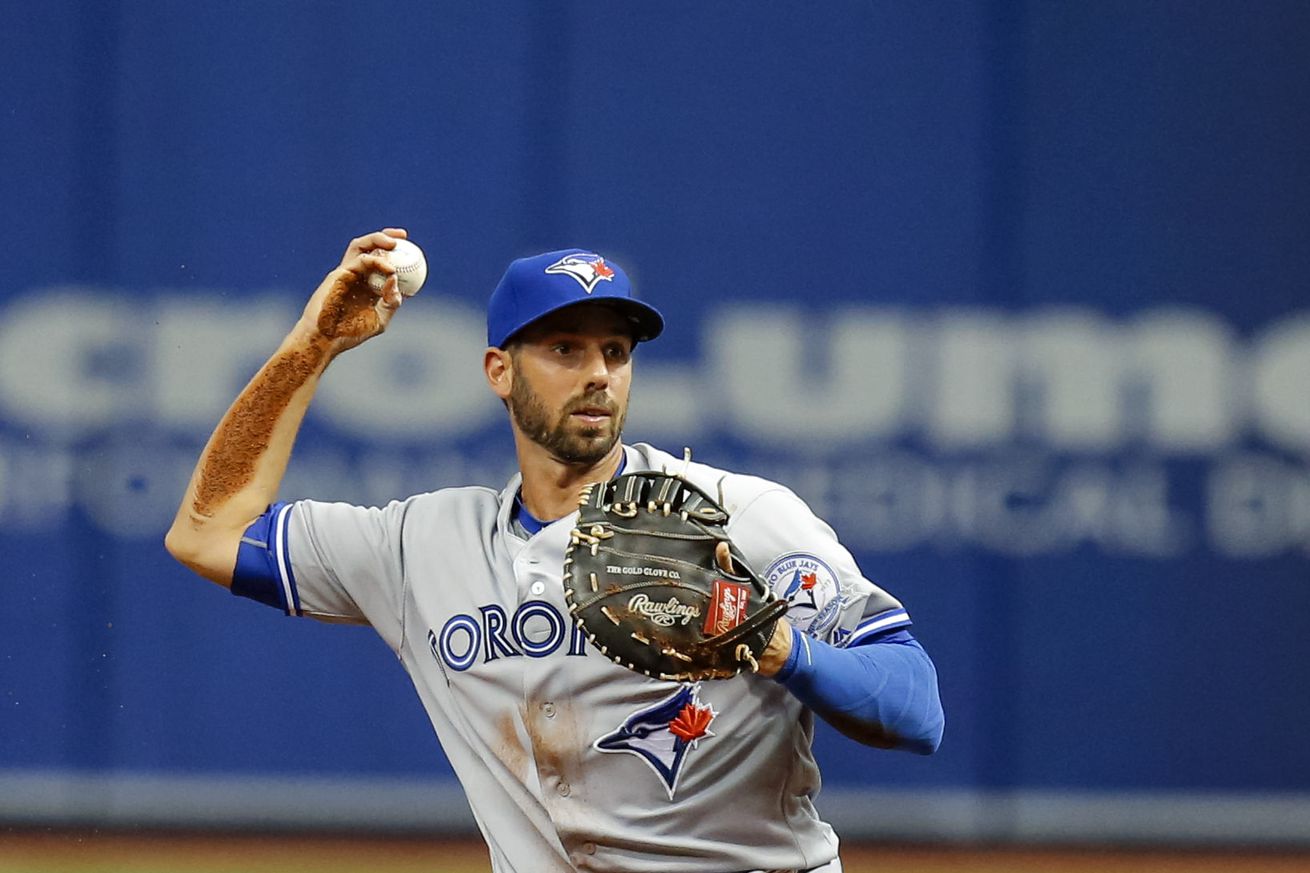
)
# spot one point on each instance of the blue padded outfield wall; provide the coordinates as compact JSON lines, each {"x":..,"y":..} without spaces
{"x":1013,"y":293}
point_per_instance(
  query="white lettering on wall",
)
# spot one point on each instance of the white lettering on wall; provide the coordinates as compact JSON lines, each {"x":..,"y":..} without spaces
{"x":205,"y":351}
{"x":71,"y":359}
{"x":1281,"y":382}
{"x":788,"y":378}
{"x":74,"y":361}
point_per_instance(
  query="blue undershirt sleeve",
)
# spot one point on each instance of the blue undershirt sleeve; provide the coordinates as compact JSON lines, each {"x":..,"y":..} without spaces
{"x":882,"y":693}
{"x":263,"y":567}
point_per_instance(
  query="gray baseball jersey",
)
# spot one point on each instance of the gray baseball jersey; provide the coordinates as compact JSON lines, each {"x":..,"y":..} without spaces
{"x":569,"y":761}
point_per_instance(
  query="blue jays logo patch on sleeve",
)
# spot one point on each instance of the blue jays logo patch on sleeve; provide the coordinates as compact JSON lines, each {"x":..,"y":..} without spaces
{"x":811,"y":588}
{"x":663,"y":734}
{"x":588,"y":269}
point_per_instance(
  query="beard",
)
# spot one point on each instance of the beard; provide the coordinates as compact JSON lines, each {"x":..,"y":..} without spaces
{"x":566,"y":439}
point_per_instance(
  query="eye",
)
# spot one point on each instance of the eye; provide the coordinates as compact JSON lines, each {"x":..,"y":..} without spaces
{"x":616,"y":352}
{"x":561,"y":348}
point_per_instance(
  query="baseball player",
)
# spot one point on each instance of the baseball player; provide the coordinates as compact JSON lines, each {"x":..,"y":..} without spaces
{"x":569,"y":761}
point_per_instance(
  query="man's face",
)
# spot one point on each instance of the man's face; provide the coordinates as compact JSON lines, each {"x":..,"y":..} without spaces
{"x":572,"y":375}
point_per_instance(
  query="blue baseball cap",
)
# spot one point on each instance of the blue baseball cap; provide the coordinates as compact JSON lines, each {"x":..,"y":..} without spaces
{"x":537,"y":286}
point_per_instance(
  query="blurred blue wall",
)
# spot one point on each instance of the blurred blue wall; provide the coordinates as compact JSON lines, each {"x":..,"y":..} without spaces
{"x":1014,"y":293}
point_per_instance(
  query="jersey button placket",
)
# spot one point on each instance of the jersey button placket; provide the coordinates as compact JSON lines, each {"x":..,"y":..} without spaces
{"x":527,"y":571}
{"x":529,"y":568}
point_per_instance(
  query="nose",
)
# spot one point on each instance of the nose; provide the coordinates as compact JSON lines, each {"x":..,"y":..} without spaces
{"x":597,"y":369}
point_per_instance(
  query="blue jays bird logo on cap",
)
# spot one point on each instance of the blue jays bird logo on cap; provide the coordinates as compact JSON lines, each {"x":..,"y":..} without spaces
{"x":587,"y":268}
{"x":661,"y":735}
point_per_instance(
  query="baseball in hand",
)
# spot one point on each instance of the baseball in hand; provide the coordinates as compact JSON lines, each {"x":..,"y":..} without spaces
{"x":411,"y":268}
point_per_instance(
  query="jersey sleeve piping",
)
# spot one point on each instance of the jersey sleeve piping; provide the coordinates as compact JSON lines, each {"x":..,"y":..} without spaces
{"x":283,"y":552}
{"x":879,"y":624}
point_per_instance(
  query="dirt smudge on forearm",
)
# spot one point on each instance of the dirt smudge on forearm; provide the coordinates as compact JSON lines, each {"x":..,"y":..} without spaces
{"x":246,"y":431}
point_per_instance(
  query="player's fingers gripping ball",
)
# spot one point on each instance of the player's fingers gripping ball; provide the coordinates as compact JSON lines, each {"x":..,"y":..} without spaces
{"x":411,"y":268}
{"x":642,"y":580}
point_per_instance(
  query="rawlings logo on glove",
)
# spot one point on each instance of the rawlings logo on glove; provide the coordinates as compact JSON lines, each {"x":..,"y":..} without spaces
{"x":664,"y":614}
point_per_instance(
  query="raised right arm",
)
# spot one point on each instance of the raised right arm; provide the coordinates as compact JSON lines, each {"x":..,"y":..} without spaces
{"x":242,"y":465}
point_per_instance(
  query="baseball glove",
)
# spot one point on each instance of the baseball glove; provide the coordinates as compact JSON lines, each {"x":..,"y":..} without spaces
{"x":653,"y":580}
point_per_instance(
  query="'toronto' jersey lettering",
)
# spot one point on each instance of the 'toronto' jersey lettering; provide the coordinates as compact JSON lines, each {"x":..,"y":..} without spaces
{"x":536,"y":629}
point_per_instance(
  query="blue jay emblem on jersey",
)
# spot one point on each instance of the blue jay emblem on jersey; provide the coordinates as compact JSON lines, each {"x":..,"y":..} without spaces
{"x":811,"y":588}
{"x":663,"y":734}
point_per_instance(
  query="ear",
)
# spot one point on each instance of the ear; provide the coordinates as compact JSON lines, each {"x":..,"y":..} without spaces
{"x":499,"y":370}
